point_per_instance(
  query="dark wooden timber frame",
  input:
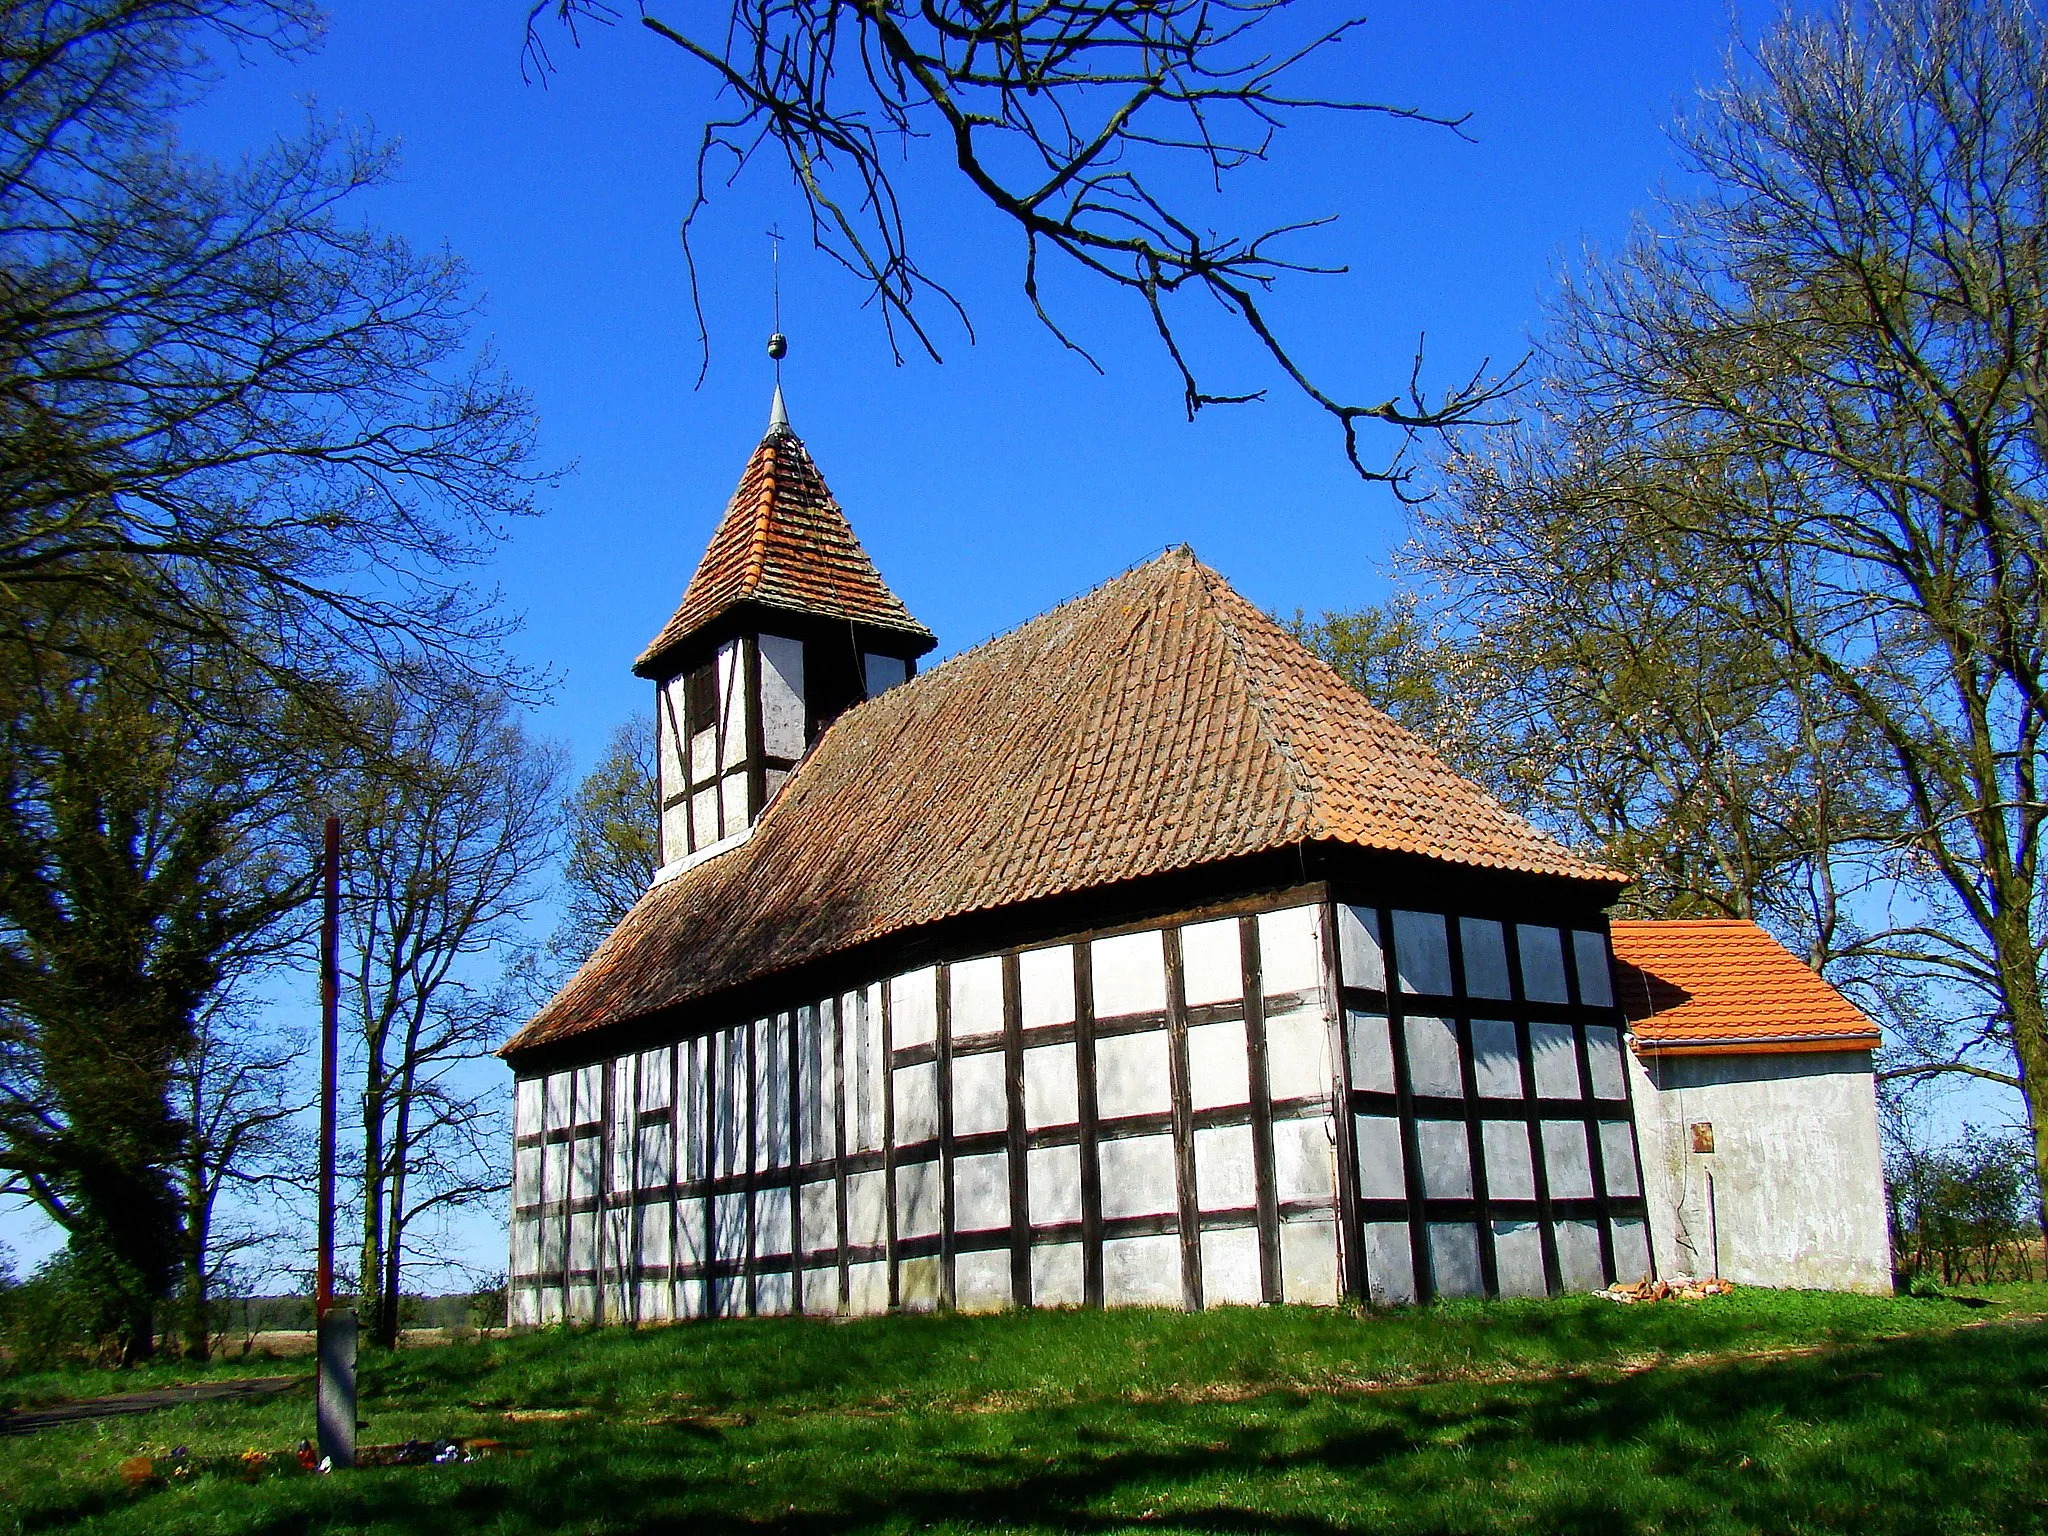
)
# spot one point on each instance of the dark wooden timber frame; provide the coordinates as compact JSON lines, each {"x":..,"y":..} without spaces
{"x":722,"y":1271}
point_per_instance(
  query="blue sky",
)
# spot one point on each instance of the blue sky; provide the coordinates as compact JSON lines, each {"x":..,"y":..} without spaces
{"x":1013,"y":476}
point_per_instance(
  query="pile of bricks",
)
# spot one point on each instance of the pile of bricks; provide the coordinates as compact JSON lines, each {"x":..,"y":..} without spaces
{"x":1682,"y":1289}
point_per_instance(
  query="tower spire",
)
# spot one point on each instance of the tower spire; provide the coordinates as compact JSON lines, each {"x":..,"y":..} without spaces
{"x":778,"y":344}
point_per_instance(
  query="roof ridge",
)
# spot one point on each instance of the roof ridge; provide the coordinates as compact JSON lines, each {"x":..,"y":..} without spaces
{"x":764,"y":515}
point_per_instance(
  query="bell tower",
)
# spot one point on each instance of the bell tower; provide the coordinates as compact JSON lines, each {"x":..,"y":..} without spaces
{"x":785,"y":624}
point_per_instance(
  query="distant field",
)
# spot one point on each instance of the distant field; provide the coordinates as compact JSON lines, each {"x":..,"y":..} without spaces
{"x":1758,"y":1411}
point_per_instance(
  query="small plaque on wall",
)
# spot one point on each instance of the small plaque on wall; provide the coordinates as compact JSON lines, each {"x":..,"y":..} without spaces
{"x":1703,"y":1135}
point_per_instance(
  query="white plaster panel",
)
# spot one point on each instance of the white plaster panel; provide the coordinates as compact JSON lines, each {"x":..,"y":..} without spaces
{"x":1518,"y":1258}
{"x":1142,"y":1272}
{"x":1542,"y":964}
{"x":732,"y":704}
{"x":1308,"y":1263}
{"x":918,"y":1283}
{"x":1433,"y":1069}
{"x":1631,"y":1251}
{"x":1798,"y":1174}
{"x":675,"y":831}
{"x":657,"y":1075}
{"x":555,"y":1171}
{"x":981,"y":1192}
{"x":529,"y":1107}
{"x":654,"y":1222}
{"x":689,"y":1232}
{"x":1618,"y":1158}
{"x":525,"y":1309}
{"x":554,"y":1243}
{"x":867,"y":1209}
{"x":589,"y":1093}
{"x":772,"y":1233}
{"x":820,"y":1213}
{"x":882,"y":673}
{"x":704,"y":812}
{"x":703,"y":762}
{"x":1555,"y":1057}
{"x":861,"y":1034}
{"x":1372,"y":1052}
{"x":733,"y":1105}
{"x":583,"y":1169}
{"x":1219,"y":1072}
{"x":1486,"y":957}
{"x":1596,"y":987}
{"x":689,"y":1298}
{"x":1454,"y":1259}
{"x":615,"y":1230}
{"x":525,"y":1247}
{"x":914,"y":1008}
{"x":917,"y":1199}
{"x":1290,"y":951}
{"x":981,"y":1099}
{"x":1389,"y":1264}
{"x":1603,"y":1062}
{"x":733,"y":805}
{"x":1446,"y":1159}
{"x":729,"y":1227}
{"x":1057,"y":1276}
{"x":1212,"y":962}
{"x":981,"y":1281}
{"x":551,"y":1305}
{"x":977,"y":996}
{"x":782,"y":696}
{"x":1230,"y":1268}
{"x":1578,"y":1255}
{"x":583,"y":1240}
{"x":654,"y":1301}
{"x":1054,"y":1180}
{"x":1304,"y":1161}
{"x":1298,"y":1055}
{"x":581,"y":1304}
{"x":1358,"y":948}
{"x":621,"y":1128}
{"x":1131,"y":1075}
{"x":1565,"y":1161}
{"x":771,"y":1089}
{"x":1225,"y":1176}
{"x":867,"y":1289}
{"x":917,"y":1103}
{"x":725,"y":1298}
{"x":773,"y":1292}
{"x":1496,"y":1062}
{"x":1045,"y":979}
{"x":656,"y":1166}
{"x":821,"y":1292}
{"x":1510,"y":1170}
{"x":1051,"y":1091}
{"x":526,"y":1176}
{"x":816,"y":1112}
{"x":1137,"y":1176}
{"x":1422,"y":953}
{"x":1129,"y":974}
{"x":1380,"y":1175}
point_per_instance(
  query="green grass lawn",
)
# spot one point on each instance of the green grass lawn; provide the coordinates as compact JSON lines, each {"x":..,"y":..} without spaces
{"x":1757,"y":1411}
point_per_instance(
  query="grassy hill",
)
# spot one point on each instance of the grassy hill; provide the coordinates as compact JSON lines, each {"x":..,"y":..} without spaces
{"x":1757,"y":1411}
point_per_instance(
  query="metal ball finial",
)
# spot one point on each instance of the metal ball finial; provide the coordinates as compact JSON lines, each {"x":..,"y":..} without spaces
{"x":778,"y":346}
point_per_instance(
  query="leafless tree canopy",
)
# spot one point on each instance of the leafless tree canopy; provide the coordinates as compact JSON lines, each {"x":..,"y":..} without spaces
{"x":1095,"y":126}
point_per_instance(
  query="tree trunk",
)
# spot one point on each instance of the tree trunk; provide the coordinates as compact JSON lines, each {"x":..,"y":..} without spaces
{"x":368,"y":1286}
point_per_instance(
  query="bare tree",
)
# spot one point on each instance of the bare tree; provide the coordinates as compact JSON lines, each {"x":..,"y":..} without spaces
{"x":445,"y":857}
{"x":1826,"y":374}
{"x":1096,"y":128}
{"x":613,"y":832}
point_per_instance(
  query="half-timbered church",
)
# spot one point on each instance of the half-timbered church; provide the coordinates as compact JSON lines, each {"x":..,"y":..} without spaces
{"x":1130,"y":957}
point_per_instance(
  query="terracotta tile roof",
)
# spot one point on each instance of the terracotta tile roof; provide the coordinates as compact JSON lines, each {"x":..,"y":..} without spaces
{"x":1158,"y":723}
{"x":784,"y":543}
{"x":1725,"y":987}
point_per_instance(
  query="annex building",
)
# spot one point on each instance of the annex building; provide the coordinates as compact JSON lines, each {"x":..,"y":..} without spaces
{"x":1131,"y":957}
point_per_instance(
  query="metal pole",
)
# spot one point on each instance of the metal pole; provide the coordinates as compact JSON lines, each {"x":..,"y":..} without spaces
{"x":334,"y":1412}
{"x":330,"y":1046}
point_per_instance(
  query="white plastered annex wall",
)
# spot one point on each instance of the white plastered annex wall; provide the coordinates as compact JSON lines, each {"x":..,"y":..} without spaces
{"x":1798,"y":1177}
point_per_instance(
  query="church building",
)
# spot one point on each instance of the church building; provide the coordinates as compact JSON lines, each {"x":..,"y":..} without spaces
{"x":1130,"y":957}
